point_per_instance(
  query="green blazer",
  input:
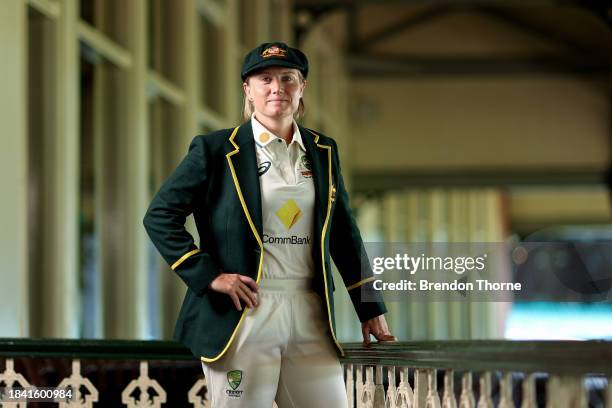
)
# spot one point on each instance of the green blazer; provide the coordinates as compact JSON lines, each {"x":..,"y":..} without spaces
{"x":218,"y":182}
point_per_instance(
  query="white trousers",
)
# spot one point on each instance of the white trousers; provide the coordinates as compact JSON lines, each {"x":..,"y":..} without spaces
{"x":282,"y":352}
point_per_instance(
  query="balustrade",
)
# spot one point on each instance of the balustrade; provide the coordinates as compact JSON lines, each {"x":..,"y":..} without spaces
{"x":557,"y":374}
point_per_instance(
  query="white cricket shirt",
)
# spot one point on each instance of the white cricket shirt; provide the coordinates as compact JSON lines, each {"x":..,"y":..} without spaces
{"x":287,"y":203}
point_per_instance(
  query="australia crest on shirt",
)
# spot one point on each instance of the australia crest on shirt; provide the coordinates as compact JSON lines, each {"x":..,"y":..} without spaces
{"x":305,"y":167}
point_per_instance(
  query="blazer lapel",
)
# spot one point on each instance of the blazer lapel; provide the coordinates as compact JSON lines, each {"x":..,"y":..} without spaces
{"x":320,"y":156}
{"x":242,"y":161}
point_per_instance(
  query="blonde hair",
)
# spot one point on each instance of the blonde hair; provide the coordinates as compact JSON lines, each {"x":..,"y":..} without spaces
{"x":247,"y":106}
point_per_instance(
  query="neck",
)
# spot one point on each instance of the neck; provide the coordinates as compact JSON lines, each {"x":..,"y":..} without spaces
{"x":282,"y":127}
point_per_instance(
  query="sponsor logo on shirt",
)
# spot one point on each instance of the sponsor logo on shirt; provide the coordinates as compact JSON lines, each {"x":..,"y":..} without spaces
{"x":263,"y":167}
{"x":234,"y":378}
{"x":292,"y":239}
{"x":289,"y":214}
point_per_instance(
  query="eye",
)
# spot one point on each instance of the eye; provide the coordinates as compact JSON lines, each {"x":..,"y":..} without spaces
{"x":266,"y":79}
{"x":288,"y":78}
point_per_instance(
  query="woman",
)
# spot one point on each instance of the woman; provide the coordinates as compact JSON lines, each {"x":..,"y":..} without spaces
{"x":270,"y":207}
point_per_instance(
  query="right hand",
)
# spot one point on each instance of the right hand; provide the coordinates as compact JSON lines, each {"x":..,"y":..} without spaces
{"x":238,"y":287}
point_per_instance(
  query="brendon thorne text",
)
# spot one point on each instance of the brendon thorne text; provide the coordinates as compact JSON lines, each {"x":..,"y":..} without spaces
{"x":425,"y":285}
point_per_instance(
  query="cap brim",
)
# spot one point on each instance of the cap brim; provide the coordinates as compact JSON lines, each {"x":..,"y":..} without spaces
{"x":270,"y":63}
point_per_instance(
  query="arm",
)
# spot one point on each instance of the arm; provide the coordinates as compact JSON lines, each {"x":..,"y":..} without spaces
{"x":348,"y":252}
{"x":349,"y":255}
{"x":165,"y":220}
{"x":165,"y":224}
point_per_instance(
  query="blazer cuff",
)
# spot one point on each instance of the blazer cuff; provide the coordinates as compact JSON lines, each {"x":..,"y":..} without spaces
{"x":197,"y":269}
{"x":183,"y":258}
{"x":360,"y":283}
{"x":374,"y":306}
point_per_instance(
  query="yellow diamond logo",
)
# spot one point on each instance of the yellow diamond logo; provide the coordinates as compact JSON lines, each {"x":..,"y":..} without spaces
{"x":289,"y":214}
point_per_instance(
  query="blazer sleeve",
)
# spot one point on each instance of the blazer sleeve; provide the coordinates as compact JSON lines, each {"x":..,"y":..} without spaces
{"x":165,"y":218}
{"x":349,"y":255}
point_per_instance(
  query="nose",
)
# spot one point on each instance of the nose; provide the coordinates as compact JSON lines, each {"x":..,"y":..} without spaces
{"x":277,"y":86}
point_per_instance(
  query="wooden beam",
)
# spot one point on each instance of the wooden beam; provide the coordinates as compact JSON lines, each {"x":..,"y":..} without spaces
{"x":104,"y":46}
{"x":209,"y":118}
{"x":339,"y":3}
{"x":164,"y":87}
{"x":404,"y":25}
{"x":563,"y":41}
{"x":385,"y":65}
{"x":375,"y":181}
{"x":213,"y":11}
{"x":51,"y":9}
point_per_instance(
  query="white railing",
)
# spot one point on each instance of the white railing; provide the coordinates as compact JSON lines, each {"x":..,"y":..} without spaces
{"x":405,"y":375}
{"x":397,"y":375}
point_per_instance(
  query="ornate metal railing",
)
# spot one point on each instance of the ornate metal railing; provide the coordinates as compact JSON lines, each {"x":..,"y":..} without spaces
{"x":115,"y":373}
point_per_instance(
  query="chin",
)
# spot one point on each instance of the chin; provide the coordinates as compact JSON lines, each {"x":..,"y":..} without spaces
{"x":279,"y":113}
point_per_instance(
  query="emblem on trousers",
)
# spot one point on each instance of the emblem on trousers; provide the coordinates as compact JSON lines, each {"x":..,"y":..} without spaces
{"x":234,"y":378}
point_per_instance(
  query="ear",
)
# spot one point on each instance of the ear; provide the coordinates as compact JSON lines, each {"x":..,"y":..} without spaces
{"x":304,"y":83}
{"x":247,"y":89}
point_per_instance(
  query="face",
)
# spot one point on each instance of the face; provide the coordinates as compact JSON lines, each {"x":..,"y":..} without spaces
{"x":275,"y":91}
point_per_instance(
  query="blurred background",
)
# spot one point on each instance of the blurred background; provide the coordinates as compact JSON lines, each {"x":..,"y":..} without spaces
{"x":457,"y":121}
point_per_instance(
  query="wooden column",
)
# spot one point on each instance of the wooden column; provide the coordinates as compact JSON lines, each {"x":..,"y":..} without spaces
{"x":127,"y":195}
{"x":233,"y":61}
{"x":61,"y":239}
{"x":13,"y":171}
{"x":172,"y":286}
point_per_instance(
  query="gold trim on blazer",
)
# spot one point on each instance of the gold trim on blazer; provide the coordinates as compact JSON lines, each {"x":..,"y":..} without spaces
{"x":361,"y":282}
{"x":245,"y":310}
{"x":182,"y":259}
{"x":330,"y":190}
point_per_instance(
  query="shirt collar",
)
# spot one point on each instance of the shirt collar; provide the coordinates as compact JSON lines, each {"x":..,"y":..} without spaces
{"x":263,"y":136}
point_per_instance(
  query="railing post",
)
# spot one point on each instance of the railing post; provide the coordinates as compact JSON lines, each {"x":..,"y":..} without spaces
{"x":76,"y":382}
{"x":391,"y":399}
{"x":529,"y":392}
{"x":350,"y":386}
{"x":365,"y":397}
{"x":565,"y":392}
{"x":379,"y":390}
{"x":193,"y":394}
{"x":360,"y":387}
{"x":506,"y":400}
{"x":420,"y":388}
{"x":370,"y":388}
{"x":433,"y":400}
{"x":143,"y":383}
{"x":467,"y":399}
{"x":448,"y":399}
{"x":405,"y":396}
{"x":10,"y":377}
{"x":485,"y":400}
